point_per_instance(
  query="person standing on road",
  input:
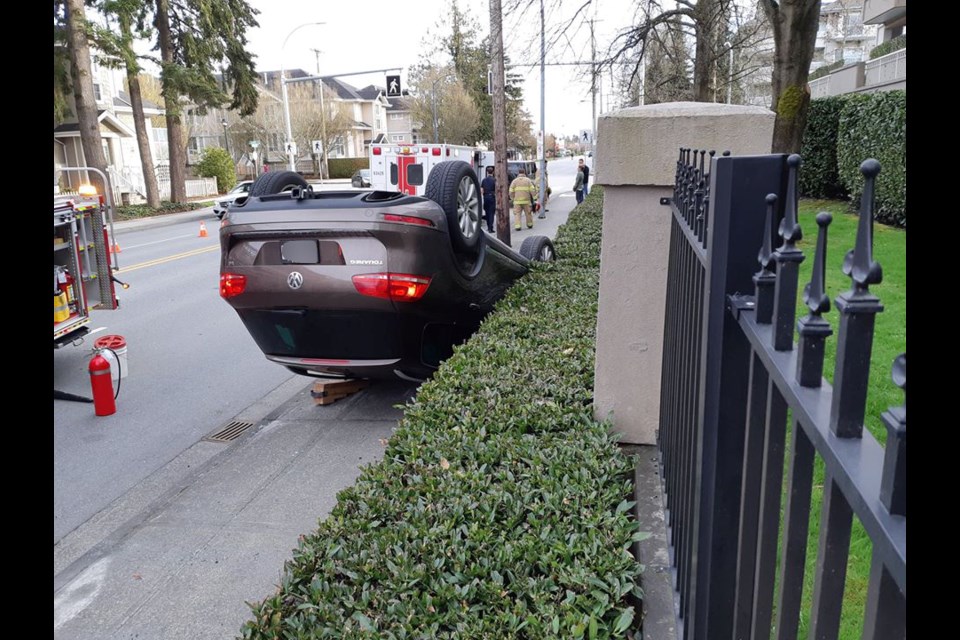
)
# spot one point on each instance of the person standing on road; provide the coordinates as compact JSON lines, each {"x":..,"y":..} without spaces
{"x":578,"y":183}
{"x":522,"y":193}
{"x":545,"y":196}
{"x":488,"y":189}
{"x":586,"y":177}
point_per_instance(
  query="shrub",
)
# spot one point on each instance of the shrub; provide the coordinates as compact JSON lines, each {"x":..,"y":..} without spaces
{"x":346,"y":167}
{"x":874,"y":125}
{"x":501,"y":508}
{"x":825,"y":70}
{"x":819,"y":177}
{"x":894,"y":44}
{"x":217,"y":163}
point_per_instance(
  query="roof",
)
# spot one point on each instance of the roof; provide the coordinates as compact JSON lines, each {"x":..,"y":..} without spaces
{"x":372,"y":92}
{"x":123,"y":100}
{"x":399,"y":104}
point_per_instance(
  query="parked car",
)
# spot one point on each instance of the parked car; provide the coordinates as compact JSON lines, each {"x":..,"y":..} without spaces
{"x":367,"y":283}
{"x":361,"y":179}
{"x":513,"y":168}
{"x":224,"y":201}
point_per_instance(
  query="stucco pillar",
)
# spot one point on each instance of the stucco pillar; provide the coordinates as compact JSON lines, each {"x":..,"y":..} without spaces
{"x":637,"y":150}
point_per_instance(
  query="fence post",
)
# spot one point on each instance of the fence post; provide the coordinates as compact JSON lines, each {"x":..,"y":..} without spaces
{"x":636,"y":164}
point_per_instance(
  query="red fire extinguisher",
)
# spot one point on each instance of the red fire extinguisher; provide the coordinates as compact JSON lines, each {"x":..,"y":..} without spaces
{"x":104,"y":403}
{"x":66,"y":285}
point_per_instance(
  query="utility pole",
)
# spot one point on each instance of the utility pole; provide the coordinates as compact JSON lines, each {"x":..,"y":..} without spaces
{"x":323,"y":124}
{"x":593,"y":90}
{"x":499,"y":124}
{"x":541,"y":151}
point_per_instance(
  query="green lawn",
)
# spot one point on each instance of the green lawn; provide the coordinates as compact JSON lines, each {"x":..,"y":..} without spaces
{"x":889,"y":249}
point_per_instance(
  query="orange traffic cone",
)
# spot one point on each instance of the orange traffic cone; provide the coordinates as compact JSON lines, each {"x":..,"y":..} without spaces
{"x":203,"y":230}
{"x":116,"y":247}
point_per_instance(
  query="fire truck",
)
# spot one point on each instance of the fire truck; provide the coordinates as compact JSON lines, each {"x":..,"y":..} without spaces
{"x":83,"y":267}
{"x":405,"y":167}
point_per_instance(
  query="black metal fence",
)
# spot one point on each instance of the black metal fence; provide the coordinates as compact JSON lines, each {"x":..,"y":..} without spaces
{"x":731,"y":373}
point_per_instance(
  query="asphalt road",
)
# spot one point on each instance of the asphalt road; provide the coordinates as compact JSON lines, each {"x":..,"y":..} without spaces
{"x":192,"y":367}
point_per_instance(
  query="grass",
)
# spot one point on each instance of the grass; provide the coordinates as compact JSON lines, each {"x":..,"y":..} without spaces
{"x":889,"y":249}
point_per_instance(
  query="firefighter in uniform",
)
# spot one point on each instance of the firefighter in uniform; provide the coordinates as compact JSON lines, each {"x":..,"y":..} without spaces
{"x":522,"y":193}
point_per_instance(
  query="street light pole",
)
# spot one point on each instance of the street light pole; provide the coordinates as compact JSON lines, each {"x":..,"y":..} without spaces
{"x":291,"y":160}
{"x":226,"y":136}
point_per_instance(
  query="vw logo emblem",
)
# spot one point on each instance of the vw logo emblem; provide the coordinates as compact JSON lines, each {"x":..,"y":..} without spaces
{"x":295,"y":280}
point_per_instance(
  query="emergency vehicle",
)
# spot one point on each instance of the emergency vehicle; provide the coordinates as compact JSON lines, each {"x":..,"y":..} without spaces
{"x":405,"y":167}
{"x":83,"y":277}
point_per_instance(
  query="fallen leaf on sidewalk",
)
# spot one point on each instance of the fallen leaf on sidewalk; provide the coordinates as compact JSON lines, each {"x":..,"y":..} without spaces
{"x":137,"y":576}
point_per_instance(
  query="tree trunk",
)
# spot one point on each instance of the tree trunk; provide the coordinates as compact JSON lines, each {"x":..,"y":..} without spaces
{"x":178,"y":153}
{"x":86,"y":105}
{"x":794,"y":24}
{"x":143,"y":143}
{"x":499,"y":124}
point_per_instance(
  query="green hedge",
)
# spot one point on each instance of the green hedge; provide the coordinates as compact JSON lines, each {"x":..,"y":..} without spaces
{"x":825,"y":70}
{"x":874,"y":125}
{"x":894,"y":44}
{"x":346,"y":167}
{"x":501,"y":508}
{"x":819,"y":177}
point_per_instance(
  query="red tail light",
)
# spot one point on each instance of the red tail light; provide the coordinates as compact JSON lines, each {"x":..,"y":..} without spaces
{"x":399,"y":287}
{"x":232,"y":284}
{"x":423,"y":150}
{"x":377,"y":151}
{"x":436,"y":151}
{"x":392,"y":217}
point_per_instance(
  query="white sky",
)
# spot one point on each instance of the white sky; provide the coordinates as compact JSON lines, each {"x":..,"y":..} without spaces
{"x":376,"y":34}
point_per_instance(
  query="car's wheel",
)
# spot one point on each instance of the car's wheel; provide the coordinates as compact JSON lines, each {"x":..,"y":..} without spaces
{"x":453,"y":185}
{"x":538,"y":248}
{"x":276,"y":182}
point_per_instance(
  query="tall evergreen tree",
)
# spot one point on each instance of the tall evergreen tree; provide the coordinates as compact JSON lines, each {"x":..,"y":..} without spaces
{"x":130,"y":16}
{"x":72,"y":14}
{"x":194,"y":37}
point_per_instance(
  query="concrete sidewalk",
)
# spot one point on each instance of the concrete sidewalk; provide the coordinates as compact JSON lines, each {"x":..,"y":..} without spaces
{"x":179,"y":555}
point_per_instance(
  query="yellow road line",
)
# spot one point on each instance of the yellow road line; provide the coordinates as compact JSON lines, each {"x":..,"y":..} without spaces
{"x":185,"y":254}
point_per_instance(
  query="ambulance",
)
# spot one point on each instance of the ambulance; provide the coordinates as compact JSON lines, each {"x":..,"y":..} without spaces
{"x":405,"y":167}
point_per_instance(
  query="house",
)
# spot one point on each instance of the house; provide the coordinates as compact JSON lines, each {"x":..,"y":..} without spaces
{"x":115,"y":115}
{"x":400,"y":125}
{"x":369,"y":112}
{"x":880,"y":68}
{"x":848,"y":32}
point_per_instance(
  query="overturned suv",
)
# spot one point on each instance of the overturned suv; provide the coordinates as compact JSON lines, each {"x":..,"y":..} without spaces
{"x":365,"y":283}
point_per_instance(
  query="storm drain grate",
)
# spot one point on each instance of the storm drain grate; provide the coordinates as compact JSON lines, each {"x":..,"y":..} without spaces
{"x":230,"y":432}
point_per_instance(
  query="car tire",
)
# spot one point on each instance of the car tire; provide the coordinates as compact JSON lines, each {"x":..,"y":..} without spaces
{"x":453,"y":186}
{"x":276,"y":182}
{"x":538,"y":249}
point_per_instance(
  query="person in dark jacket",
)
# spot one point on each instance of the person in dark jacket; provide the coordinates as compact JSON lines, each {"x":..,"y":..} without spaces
{"x":586,"y":177}
{"x":488,"y":189}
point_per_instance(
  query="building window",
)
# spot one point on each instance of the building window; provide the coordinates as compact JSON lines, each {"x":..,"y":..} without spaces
{"x":396,"y":116}
{"x":398,"y":138}
{"x":96,"y":92}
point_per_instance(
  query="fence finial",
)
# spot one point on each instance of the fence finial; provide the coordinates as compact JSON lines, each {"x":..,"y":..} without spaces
{"x":893,"y":482}
{"x":766,"y":249}
{"x":814,"y":294}
{"x":813,"y":329}
{"x":788,"y":258}
{"x":789,"y":229}
{"x":858,"y":264}
{"x":858,"y":308}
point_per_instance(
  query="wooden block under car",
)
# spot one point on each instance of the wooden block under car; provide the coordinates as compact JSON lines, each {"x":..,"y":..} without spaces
{"x":328,"y":392}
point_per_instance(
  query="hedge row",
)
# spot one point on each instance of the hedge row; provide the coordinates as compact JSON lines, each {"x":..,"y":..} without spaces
{"x":891,"y":45}
{"x":843,"y":131}
{"x":346,"y":167}
{"x":820,"y":177}
{"x":501,"y":508}
{"x":825,"y":70}
{"x":874,"y":125}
